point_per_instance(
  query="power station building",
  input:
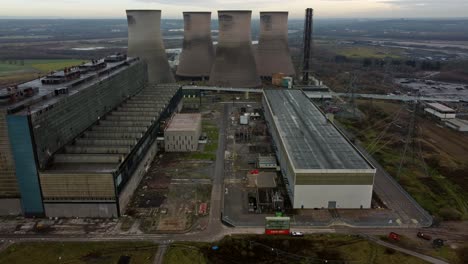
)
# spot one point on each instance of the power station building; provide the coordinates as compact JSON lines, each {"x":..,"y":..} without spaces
{"x":197,"y":51}
{"x":182,"y":133}
{"x":80,"y":138}
{"x":320,"y":167}
{"x":234,"y":64}
{"x":273,"y":54}
{"x":145,"y":41}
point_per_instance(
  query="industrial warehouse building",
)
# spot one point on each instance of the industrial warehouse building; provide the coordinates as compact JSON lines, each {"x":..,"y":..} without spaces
{"x":440,"y":111}
{"x":80,"y":138}
{"x":320,"y":167}
{"x":182,"y":133}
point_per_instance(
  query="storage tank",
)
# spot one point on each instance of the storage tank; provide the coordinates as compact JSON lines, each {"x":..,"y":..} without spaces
{"x":234,"y":64}
{"x":273,"y":54}
{"x":145,"y":41}
{"x":198,"y":52}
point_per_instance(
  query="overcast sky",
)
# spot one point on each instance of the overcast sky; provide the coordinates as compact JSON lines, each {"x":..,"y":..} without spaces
{"x":174,"y":8}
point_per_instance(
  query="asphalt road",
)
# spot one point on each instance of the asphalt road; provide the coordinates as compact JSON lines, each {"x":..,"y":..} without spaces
{"x":217,"y":192}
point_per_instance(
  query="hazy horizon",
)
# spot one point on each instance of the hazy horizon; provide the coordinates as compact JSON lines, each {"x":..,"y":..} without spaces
{"x":215,"y":18}
{"x":333,"y":9}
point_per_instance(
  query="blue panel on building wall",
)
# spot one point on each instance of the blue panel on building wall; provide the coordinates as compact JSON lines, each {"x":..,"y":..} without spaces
{"x":26,"y":170}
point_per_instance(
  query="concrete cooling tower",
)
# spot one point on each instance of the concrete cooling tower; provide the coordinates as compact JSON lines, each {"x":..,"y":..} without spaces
{"x":197,"y":53}
{"x":145,"y":41}
{"x":234,"y":64}
{"x":273,"y":51}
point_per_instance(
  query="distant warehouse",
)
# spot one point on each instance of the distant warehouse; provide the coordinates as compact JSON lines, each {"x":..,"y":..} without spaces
{"x":320,"y":167}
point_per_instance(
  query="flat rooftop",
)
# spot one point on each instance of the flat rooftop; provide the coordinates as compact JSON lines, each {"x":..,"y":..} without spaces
{"x":184,"y":122}
{"x":458,"y":122}
{"x":46,"y":95}
{"x":312,"y":142}
{"x":441,"y":108}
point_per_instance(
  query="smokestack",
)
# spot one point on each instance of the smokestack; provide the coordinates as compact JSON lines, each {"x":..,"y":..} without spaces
{"x":198,"y":53}
{"x":234,"y":64}
{"x":145,"y":41}
{"x":273,"y":49}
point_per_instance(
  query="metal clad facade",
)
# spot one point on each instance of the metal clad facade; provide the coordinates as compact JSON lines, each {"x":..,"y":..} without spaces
{"x":26,"y":170}
{"x":8,"y":182}
{"x":77,"y":186}
{"x":334,"y":179}
{"x":309,"y":187}
{"x":60,"y":123}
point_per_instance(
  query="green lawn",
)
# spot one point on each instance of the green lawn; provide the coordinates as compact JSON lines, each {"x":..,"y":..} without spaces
{"x":209,"y":152}
{"x":10,"y":68}
{"x":447,"y":253}
{"x":434,"y":192}
{"x":359,"y":52}
{"x":76,"y":253}
{"x":180,"y":254}
{"x":310,"y":249}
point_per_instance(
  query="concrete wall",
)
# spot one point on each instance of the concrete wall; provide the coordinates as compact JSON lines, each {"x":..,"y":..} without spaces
{"x":345,"y":196}
{"x":94,"y":210}
{"x":127,"y":193}
{"x":273,"y":54}
{"x":198,"y":52}
{"x":145,"y":41}
{"x":234,"y":64}
{"x":181,"y":141}
{"x":10,"y":207}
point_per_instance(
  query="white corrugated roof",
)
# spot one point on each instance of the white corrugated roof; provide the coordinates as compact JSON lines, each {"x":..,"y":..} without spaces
{"x":440,"y":107}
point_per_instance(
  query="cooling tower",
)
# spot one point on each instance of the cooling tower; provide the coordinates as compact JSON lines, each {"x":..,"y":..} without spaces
{"x":234,"y":64}
{"x":273,"y":51}
{"x":145,"y":41}
{"x":198,"y":53}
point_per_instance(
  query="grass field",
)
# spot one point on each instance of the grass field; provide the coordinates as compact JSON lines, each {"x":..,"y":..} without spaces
{"x":277,"y":249}
{"x":209,"y":152}
{"x":76,"y":253}
{"x":451,"y":255}
{"x":436,"y":182}
{"x":361,"y":52}
{"x":14,"y":71}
